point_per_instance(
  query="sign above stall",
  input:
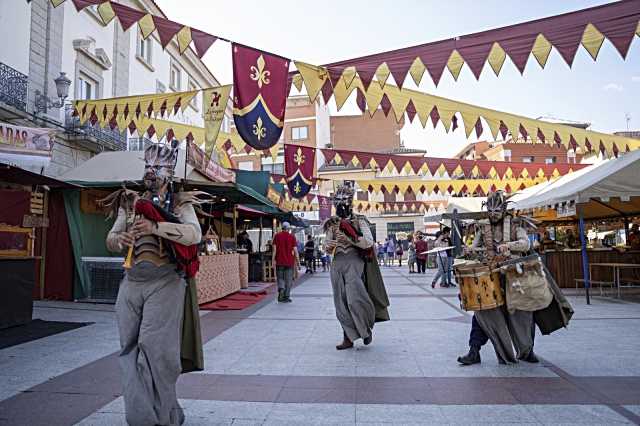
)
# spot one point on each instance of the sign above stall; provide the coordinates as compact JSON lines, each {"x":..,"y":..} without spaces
{"x":566,"y":210}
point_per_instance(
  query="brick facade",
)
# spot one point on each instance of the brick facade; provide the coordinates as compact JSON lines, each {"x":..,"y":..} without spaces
{"x":363,"y":133}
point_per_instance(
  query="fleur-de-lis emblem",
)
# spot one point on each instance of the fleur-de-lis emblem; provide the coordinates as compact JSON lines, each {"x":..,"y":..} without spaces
{"x":259,"y":74}
{"x":258,"y":130}
{"x":297,"y":189}
{"x":299,"y":157}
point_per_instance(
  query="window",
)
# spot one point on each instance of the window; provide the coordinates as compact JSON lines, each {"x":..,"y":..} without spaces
{"x":194,"y":101}
{"x":550,"y":160}
{"x":87,"y":88}
{"x":245,"y":165}
{"x":160,"y":87}
{"x":175,"y":78}
{"x":299,"y":133}
{"x":507,"y":155}
{"x":137,"y":144}
{"x":144,"y":49}
{"x":277,"y":168}
{"x":528,"y":159}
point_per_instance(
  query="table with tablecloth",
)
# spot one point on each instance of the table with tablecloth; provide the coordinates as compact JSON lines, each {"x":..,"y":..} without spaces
{"x":219,"y":275}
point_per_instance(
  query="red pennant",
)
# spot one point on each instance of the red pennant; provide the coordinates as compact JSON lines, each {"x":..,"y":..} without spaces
{"x":435,"y":116}
{"x":361,"y":100}
{"x":541,"y":135}
{"x":566,"y":41}
{"x":475,"y":55}
{"x":327,"y":91}
{"x":519,"y":49}
{"x":411,"y":111}
{"x":83,"y":4}
{"x":202,"y":41}
{"x":126,"y":15}
{"x":166,"y":29}
{"x":524,"y":132}
{"x":385,"y":104}
{"x":132,"y":127}
{"x":170,"y":135}
{"x":621,"y":34}
{"x":329,"y":155}
{"x":478,"y":127}
{"x":454,"y":123}
{"x":366,"y":76}
{"x":504,"y":130}
{"x":436,"y":60}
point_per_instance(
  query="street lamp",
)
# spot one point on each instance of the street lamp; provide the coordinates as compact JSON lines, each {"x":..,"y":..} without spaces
{"x":62,"y":90}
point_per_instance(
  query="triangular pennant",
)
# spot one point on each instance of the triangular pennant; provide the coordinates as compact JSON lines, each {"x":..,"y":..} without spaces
{"x":327,"y":91}
{"x":437,"y":61}
{"x":382,"y":74}
{"x":454,"y":64}
{"x":202,"y":41}
{"x":519,"y":50}
{"x":106,"y":12}
{"x":475,"y":56}
{"x":313,"y":77}
{"x":184,"y":39}
{"x":470,"y":121}
{"x":541,"y":50}
{"x":417,"y":69}
{"x":166,"y":29}
{"x":411,"y":111}
{"x":592,"y":40}
{"x":621,"y":35}
{"x":146,"y":25}
{"x":366,"y":76}
{"x":478,"y":128}
{"x":298,"y":82}
{"x":496,"y":58}
{"x":126,"y":15}
{"x":566,"y":42}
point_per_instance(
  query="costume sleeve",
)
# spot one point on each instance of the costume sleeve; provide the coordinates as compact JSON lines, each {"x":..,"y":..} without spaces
{"x":119,"y":226}
{"x":329,"y":236}
{"x":187,"y":233}
{"x":522,"y":242}
{"x":366,"y":240}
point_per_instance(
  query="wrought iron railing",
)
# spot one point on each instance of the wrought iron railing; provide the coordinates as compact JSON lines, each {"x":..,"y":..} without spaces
{"x":13,"y":87}
{"x":138,"y":144}
{"x":110,"y":139}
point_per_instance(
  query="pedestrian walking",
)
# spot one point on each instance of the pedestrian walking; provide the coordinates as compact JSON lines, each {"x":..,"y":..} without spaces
{"x":285,"y":258}
{"x":444,"y":259}
{"x":421,"y":256}
{"x":380,"y":250}
{"x":390,"y":250}
{"x":309,"y":254}
{"x":411,"y":257}
{"x":399,"y":253}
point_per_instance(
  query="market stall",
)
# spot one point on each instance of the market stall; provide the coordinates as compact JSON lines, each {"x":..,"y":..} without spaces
{"x":33,"y":259}
{"x":99,"y":272}
{"x":574,"y":208}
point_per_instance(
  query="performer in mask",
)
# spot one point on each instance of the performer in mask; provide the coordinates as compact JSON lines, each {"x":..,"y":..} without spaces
{"x":358,"y":290}
{"x":159,"y":232}
{"x":505,"y":237}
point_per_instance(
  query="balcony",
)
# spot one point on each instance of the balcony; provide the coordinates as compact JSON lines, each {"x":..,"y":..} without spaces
{"x":13,"y":87}
{"x":112,"y":140}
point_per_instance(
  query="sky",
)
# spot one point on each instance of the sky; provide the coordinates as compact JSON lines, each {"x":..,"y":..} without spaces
{"x":602,"y":92}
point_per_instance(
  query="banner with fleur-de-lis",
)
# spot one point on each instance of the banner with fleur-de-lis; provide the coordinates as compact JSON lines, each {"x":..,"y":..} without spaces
{"x":260,"y":90}
{"x":299,"y":162}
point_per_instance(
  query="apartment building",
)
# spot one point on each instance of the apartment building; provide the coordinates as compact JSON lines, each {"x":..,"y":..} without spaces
{"x":100,"y":62}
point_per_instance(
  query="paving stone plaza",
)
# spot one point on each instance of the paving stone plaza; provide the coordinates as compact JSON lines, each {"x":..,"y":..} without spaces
{"x":275,"y":364}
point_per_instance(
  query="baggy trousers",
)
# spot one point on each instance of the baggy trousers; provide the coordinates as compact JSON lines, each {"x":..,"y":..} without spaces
{"x":284,"y":277}
{"x":503,"y":328}
{"x":149,"y":311}
{"x":354,"y":308}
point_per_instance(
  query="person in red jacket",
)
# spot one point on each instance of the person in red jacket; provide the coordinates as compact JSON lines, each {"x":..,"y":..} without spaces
{"x":285,"y":259}
{"x":421,"y":256}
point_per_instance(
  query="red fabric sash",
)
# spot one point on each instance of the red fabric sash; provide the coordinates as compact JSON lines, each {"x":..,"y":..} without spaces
{"x":186,"y":256}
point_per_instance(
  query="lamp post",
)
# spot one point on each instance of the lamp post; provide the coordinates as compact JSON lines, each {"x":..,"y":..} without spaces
{"x":43,"y":103}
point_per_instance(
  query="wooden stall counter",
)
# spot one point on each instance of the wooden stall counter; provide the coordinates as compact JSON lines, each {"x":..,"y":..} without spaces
{"x":219,"y":275}
{"x":566,"y":265}
{"x":244,"y":270}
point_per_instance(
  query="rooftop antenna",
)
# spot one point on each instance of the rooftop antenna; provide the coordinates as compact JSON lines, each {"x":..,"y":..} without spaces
{"x":627,"y":118}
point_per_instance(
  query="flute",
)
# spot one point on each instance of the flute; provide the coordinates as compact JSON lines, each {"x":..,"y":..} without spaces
{"x":128,"y":262}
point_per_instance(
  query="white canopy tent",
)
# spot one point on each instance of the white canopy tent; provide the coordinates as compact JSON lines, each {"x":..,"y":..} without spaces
{"x":610,"y":188}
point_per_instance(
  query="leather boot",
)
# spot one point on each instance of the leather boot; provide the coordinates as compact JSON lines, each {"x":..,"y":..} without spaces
{"x":473,"y":357}
{"x":367,"y":340}
{"x":532,"y":358}
{"x":280,"y":295}
{"x":346,"y":343}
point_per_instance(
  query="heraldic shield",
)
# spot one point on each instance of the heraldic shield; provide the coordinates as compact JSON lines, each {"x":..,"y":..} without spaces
{"x":260,"y":86}
{"x":298,"y":166}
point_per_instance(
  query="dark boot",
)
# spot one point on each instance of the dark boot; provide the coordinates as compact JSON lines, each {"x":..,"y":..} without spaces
{"x":532,"y":358}
{"x":346,"y":343}
{"x":280,"y":295}
{"x":368,"y":340}
{"x":473,"y":357}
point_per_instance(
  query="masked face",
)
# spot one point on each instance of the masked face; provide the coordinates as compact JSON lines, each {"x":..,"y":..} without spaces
{"x":495,"y":216}
{"x":155,"y":178}
{"x":342,"y":201}
{"x":343,"y":210}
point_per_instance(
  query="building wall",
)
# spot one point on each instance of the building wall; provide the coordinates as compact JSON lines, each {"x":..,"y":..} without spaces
{"x":540,"y":152}
{"x":381,"y":223}
{"x":15,"y":24}
{"x":362,"y":133}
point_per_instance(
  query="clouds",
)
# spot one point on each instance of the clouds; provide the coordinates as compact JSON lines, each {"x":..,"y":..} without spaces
{"x":612,"y":87}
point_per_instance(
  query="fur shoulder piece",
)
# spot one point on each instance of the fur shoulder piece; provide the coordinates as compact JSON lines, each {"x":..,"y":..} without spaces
{"x":361,"y":217}
{"x":530,"y":224}
{"x":191,"y":197}
{"x":333,"y":220}
{"x":122,"y":198}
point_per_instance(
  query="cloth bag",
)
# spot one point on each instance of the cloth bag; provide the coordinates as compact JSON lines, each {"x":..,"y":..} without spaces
{"x":527,"y":288}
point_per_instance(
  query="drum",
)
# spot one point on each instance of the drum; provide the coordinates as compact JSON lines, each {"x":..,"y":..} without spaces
{"x":479,"y":286}
{"x":527,"y":285}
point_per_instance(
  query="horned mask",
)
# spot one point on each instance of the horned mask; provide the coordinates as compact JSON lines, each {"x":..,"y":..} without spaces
{"x":342,"y":200}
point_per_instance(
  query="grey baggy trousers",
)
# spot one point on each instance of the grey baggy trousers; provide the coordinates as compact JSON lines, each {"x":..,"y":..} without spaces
{"x":149,"y":311}
{"x":354,"y":307}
